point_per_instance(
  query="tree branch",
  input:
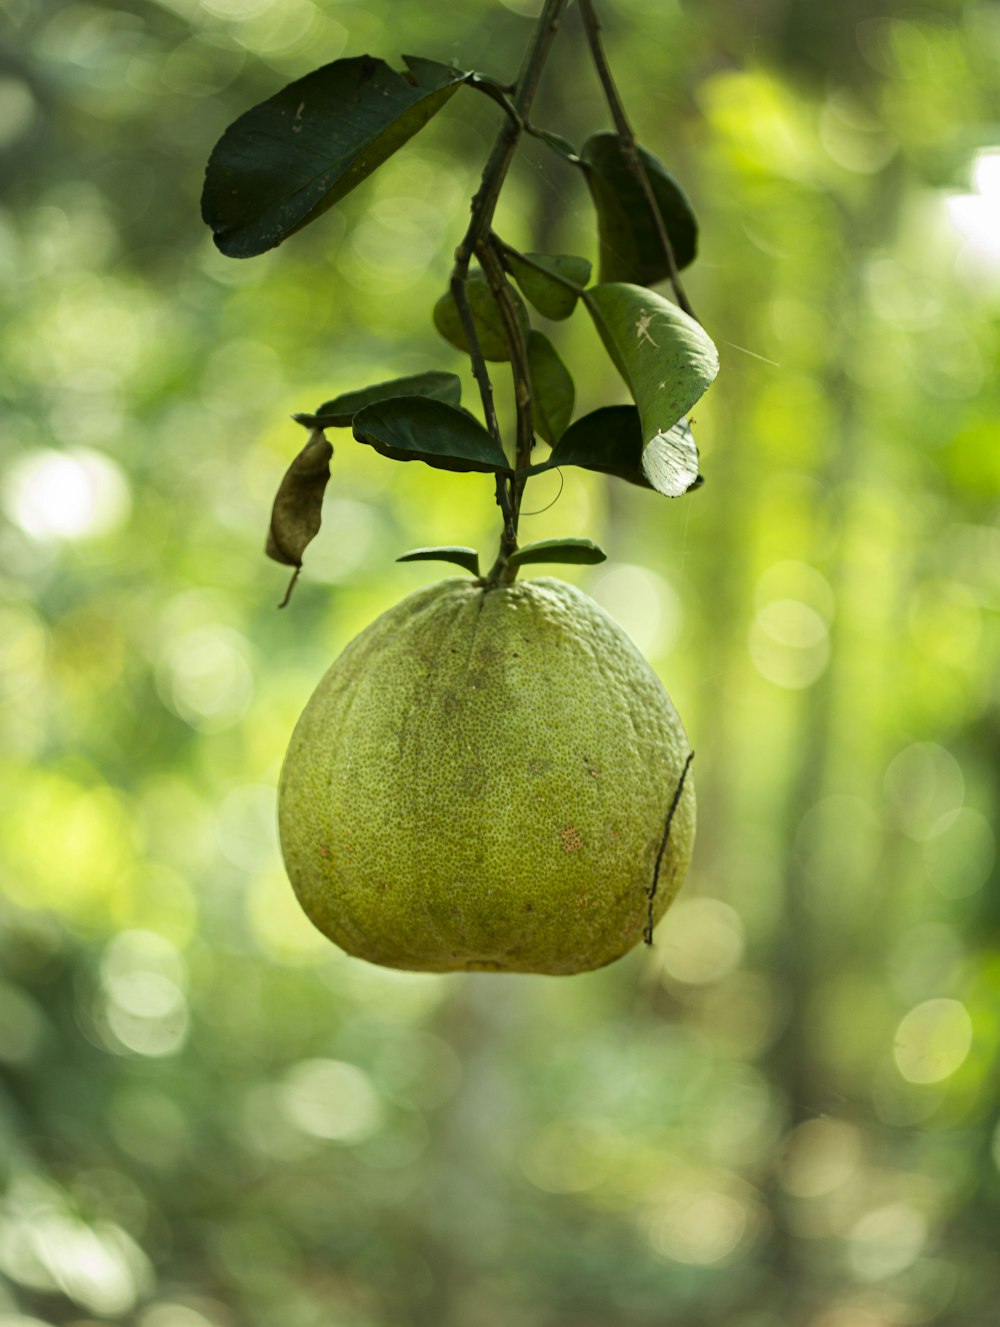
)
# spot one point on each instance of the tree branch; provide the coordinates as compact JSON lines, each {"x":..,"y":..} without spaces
{"x":476,"y":241}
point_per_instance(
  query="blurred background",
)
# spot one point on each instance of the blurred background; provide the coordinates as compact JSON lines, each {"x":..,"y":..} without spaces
{"x":786,"y":1111}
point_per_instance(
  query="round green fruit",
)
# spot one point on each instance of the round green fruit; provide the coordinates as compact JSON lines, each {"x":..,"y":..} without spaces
{"x":488,"y":778}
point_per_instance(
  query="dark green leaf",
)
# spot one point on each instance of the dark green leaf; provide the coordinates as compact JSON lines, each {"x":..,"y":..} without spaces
{"x":339,"y":412}
{"x":666,"y":358}
{"x":485,"y":315}
{"x":558,"y":550}
{"x":630,"y":244}
{"x":610,"y":440}
{"x":416,"y":428}
{"x":464,"y":557}
{"x":283,"y":163}
{"x":542,"y":278}
{"x":552,"y":391}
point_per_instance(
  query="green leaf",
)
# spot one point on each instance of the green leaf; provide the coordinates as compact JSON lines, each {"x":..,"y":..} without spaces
{"x":288,"y":159}
{"x":464,"y":557}
{"x":485,"y":316}
{"x":339,"y":412}
{"x":542,"y":278}
{"x":552,"y":391}
{"x":610,"y":440}
{"x":297,"y":510}
{"x":577,"y":551}
{"x":417,"y":428}
{"x":630,"y":245}
{"x":666,"y":358}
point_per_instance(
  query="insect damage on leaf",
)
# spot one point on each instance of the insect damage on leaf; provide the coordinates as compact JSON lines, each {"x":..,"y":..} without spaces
{"x":298,"y":506}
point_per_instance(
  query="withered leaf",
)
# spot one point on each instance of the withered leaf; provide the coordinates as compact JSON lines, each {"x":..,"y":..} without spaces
{"x":297,"y":510}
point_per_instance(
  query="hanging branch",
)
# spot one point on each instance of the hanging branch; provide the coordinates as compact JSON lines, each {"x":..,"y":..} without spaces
{"x":284,"y":162}
{"x":476,"y":242}
{"x":592,"y":27}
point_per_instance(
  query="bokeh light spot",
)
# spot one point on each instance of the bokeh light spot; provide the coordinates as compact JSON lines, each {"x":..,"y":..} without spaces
{"x":642,"y":602}
{"x":702,"y":941}
{"x":331,"y":1099}
{"x":960,"y":860}
{"x":77,"y":494}
{"x":205,"y":677}
{"x":933,"y":1040}
{"x":925,"y":788}
{"x":789,"y":643}
{"x":17,"y":110}
{"x":699,"y":1226}
{"x":820,"y":1156}
{"x":144,"y":1007}
{"x":886,"y":1241}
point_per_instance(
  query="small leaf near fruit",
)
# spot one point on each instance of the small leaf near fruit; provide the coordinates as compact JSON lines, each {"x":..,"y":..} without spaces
{"x":666,"y":358}
{"x":631,"y":248}
{"x":287,"y":160}
{"x":417,"y":428}
{"x":457,"y":553}
{"x":485,"y":315}
{"x":578,"y":551}
{"x":298,"y":507}
{"x":551,"y":283}
{"x":340,"y":411}
{"x":552,"y":390}
{"x":609,"y":440}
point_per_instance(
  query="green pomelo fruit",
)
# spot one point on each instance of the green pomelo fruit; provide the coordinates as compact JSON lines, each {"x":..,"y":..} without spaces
{"x":483,"y":780}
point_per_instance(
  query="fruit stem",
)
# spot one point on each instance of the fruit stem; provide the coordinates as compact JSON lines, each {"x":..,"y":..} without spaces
{"x":478,"y":242}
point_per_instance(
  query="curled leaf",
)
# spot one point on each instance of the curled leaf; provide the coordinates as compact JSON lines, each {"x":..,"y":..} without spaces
{"x":609,"y":440}
{"x":667,"y":360}
{"x":298,"y":505}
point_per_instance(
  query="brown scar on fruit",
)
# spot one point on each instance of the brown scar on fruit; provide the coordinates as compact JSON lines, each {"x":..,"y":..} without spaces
{"x":324,"y":850}
{"x":647,"y":934}
{"x":570,"y":838}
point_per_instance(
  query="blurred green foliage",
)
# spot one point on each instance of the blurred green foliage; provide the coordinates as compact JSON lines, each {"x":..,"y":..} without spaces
{"x":786,"y":1112}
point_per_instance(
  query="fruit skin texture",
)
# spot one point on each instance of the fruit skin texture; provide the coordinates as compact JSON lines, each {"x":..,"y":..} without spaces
{"x":481,"y":781}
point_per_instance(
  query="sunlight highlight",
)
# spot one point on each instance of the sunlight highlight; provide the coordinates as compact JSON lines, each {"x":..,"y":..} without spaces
{"x":976,"y":216}
{"x":77,"y":494}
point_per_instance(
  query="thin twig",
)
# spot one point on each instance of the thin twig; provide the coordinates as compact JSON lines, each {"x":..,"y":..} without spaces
{"x":493,"y":90}
{"x":592,"y":26}
{"x":490,"y":261}
{"x":479,"y":371}
{"x":647,"y":934}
